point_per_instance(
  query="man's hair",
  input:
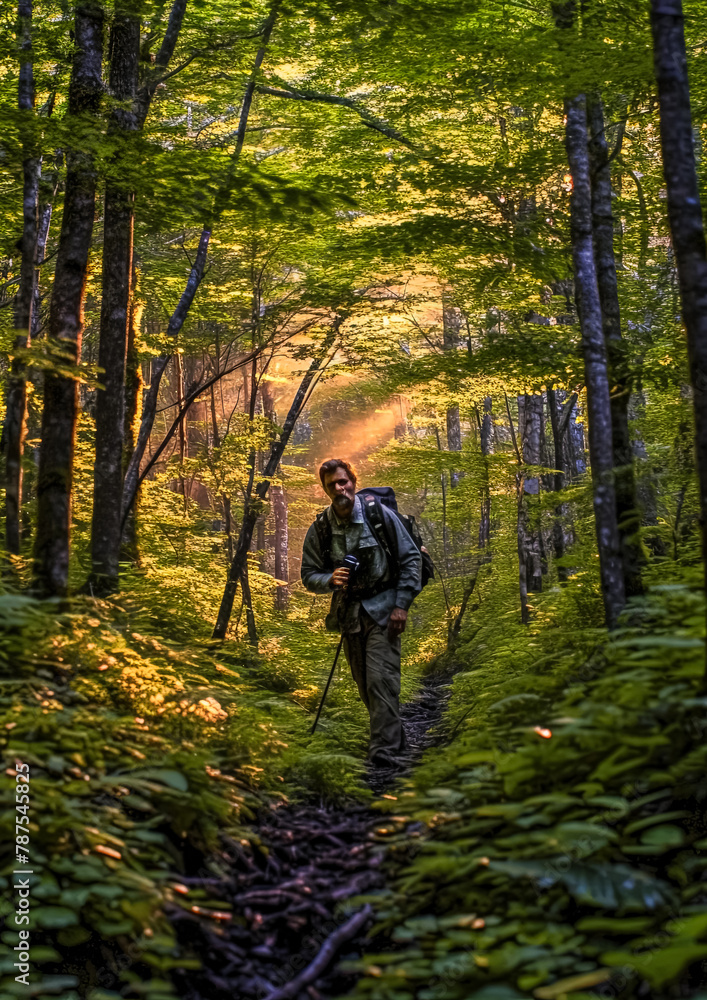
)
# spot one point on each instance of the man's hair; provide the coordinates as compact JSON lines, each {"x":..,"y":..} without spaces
{"x":332,"y":464}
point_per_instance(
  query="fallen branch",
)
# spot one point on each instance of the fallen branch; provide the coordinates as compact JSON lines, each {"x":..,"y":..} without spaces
{"x":325,"y":956}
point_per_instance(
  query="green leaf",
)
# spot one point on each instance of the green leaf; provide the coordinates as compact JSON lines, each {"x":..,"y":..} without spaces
{"x":54,"y":917}
{"x":665,"y":836}
{"x":72,"y":936}
{"x":615,"y":925}
{"x":173,"y":779}
{"x":661,"y":967}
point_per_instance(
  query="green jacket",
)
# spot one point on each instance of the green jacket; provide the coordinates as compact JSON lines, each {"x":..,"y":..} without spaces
{"x":356,"y":537}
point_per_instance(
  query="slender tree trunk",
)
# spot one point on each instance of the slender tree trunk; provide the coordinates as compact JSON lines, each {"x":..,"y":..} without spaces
{"x":55,"y":479}
{"x":133,"y":411}
{"x":225,"y":499}
{"x":684,"y":214}
{"x":46,"y":208}
{"x":451,"y":323}
{"x":253,"y":506}
{"x":282,"y":569}
{"x":13,"y":436}
{"x":520,"y":481}
{"x":179,"y":385}
{"x":115,"y":305}
{"x":486,"y":443}
{"x":248,"y":604}
{"x":445,"y":529}
{"x":529,"y":541}
{"x":595,"y":362}
{"x":266,"y":405}
{"x":558,"y":531}
{"x":628,"y":515}
{"x":149,"y":405}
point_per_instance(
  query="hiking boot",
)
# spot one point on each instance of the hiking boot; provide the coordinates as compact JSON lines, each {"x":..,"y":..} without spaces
{"x":382,"y":758}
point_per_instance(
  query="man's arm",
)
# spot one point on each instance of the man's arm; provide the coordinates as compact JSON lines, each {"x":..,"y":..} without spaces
{"x":315,"y":576}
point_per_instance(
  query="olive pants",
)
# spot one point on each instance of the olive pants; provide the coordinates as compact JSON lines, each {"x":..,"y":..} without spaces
{"x":374,"y":659}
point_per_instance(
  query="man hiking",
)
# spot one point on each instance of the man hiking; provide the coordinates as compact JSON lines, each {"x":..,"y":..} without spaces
{"x":370,"y":608}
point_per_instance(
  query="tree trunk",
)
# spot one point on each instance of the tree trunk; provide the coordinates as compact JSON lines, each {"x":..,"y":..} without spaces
{"x":451,"y":323}
{"x":282,"y":570}
{"x":558,"y":531}
{"x":115,"y":303}
{"x":595,"y":362}
{"x":253,"y":507}
{"x":529,"y":540}
{"x":179,"y":384}
{"x":13,"y":436}
{"x":161,"y":60}
{"x":216,"y":437}
{"x":149,"y":404}
{"x":627,"y":512}
{"x":55,"y":479}
{"x":249,"y":612}
{"x":133,"y":411}
{"x":486,"y":442}
{"x":445,"y":529}
{"x":684,"y":214}
{"x":45,"y":217}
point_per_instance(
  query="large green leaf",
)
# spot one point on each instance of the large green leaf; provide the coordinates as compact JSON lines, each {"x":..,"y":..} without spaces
{"x":610,"y":886}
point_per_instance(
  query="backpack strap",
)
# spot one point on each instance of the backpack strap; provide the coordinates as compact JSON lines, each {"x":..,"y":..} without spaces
{"x":374,"y":512}
{"x":322,"y":526}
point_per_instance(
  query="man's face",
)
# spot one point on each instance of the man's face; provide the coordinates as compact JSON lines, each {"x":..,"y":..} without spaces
{"x":341,"y":490}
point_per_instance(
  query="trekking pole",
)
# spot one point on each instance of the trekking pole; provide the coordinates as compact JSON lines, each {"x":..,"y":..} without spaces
{"x":331,"y":674}
{"x":351,"y":562}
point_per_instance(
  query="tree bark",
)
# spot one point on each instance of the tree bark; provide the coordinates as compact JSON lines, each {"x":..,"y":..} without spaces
{"x":115,"y":303}
{"x":486,"y":443}
{"x":133,"y":411}
{"x":558,"y":531}
{"x":248,"y":604}
{"x":529,"y":540}
{"x":46,"y":208}
{"x":627,"y":512}
{"x":522,"y":566}
{"x":282,"y":568}
{"x":595,"y":362}
{"x":162,"y":60}
{"x":216,"y":438}
{"x":684,"y":214}
{"x":55,"y":478}
{"x":451,"y":324}
{"x":13,"y":436}
{"x":253,"y":506}
{"x":179,"y":385}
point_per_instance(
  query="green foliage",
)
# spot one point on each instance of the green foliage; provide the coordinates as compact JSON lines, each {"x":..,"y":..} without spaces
{"x":114,"y":796}
{"x":562,"y":839}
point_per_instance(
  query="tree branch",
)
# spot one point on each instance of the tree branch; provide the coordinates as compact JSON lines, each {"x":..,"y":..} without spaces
{"x":566,"y":414}
{"x":369,"y":120}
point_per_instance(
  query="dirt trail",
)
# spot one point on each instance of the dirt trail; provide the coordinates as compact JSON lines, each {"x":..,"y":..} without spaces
{"x":293,"y":919}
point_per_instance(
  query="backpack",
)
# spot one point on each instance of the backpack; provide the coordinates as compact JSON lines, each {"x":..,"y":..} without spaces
{"x":372,"y":500}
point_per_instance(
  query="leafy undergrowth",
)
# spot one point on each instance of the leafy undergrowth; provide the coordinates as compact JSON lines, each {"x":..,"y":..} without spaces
{"x":145,"y":752}
{"x":566,"y":852}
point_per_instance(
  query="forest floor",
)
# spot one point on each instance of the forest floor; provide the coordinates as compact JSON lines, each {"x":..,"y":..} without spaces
{"x":297,"y":887}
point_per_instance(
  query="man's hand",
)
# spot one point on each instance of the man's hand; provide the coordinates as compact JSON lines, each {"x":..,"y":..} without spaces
{"x":340,"y":577}
{"x":396,"y":622}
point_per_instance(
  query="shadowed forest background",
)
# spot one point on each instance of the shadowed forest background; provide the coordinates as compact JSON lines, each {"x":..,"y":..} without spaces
{"x":459,"y":245}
